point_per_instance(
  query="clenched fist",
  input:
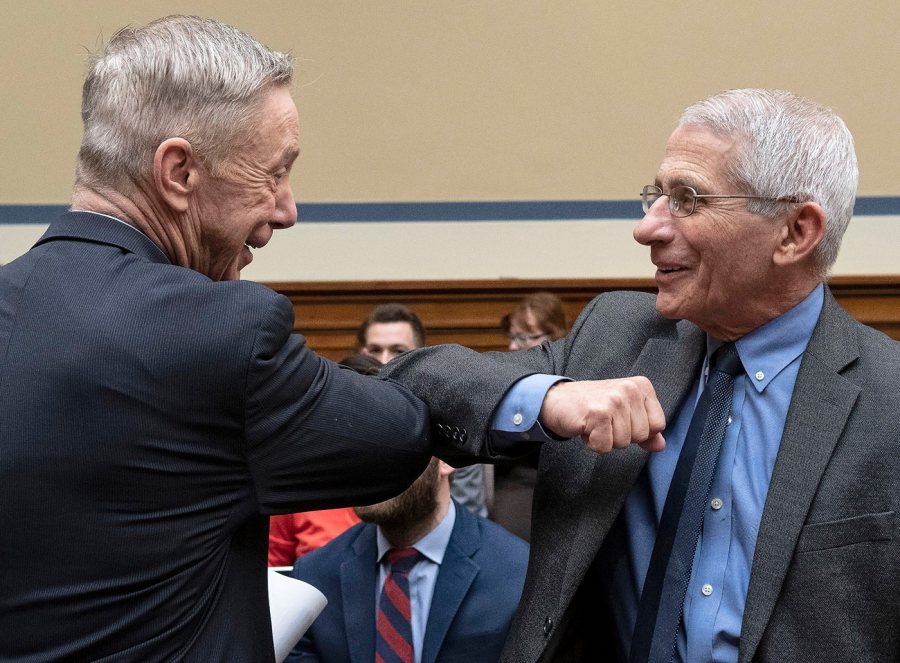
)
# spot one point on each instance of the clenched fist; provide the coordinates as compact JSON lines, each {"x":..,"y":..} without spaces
{"x":607,"y":414}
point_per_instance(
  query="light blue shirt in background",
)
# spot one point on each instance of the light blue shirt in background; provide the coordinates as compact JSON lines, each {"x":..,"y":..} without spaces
{"x":422,"y":576}
{"x":714,"y":603}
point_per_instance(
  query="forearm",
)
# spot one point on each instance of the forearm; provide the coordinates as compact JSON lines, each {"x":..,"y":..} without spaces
{"x":462,"y":389}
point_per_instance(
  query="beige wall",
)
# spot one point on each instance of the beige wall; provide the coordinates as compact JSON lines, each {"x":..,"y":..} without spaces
{"x":474,"y":100}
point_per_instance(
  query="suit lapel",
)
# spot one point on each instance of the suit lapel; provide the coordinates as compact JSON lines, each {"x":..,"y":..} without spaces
{"x":455,"y":576}
{"x":671,"y":363}
{"x":358,"y":583}
{"x":820,"y":405}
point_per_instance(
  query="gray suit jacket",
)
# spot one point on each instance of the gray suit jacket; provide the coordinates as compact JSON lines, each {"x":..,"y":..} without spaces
{"x":825,"y":582}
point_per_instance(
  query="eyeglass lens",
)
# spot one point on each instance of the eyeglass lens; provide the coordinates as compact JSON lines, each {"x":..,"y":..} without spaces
{"x":681,"y":199}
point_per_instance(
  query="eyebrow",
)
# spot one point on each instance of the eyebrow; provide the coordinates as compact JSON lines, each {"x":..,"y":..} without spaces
{"x":679,"y":181}
{"x":290,"y":154}
{"x":400,"y":347}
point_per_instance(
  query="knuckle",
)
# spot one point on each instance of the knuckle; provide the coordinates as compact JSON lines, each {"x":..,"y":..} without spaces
{"x":643,"y":384}
{"x":615,"y":400}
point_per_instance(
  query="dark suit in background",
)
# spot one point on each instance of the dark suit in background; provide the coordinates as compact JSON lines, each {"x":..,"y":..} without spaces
{"x":477,"y":591}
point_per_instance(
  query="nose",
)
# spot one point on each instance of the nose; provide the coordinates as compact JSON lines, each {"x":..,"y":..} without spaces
{"x":656,"y":225}
{"x":285,"y":208}
{"x":385,"y":356}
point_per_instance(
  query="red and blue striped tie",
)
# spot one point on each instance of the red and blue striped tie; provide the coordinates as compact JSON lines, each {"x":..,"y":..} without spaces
{"x":394,"y":630}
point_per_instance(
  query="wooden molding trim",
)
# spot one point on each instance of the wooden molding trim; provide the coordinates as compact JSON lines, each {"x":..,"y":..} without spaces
{"x":468,"y":312}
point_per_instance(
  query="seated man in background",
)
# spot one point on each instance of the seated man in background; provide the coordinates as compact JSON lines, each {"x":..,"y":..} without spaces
{"x":421,"y":579}
{"x":390,"y":330}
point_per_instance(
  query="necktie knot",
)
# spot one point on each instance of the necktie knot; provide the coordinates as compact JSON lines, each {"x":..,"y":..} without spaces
{"x":726,"y":360}
{"x":401,"y":560}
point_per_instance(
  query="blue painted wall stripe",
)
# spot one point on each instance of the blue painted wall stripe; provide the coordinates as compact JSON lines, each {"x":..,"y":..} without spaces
{"x":462,"y":211}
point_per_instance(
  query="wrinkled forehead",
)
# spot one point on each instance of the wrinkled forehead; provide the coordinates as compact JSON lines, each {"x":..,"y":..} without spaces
{"x":698,"y":156}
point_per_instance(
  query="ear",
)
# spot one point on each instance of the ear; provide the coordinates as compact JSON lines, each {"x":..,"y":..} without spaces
{"x":801,"y":233}
{"x":175,"y":172}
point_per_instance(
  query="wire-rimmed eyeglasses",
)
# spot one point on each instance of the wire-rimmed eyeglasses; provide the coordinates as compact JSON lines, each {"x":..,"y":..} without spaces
{"x":683,"y":199}
{"x":520,"y":340}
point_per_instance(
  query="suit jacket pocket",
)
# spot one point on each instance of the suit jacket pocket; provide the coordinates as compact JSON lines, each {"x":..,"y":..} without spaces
{"x":847,"y":531}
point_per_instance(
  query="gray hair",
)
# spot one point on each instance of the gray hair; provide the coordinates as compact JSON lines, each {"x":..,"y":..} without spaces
{"x":791,"y":147}
{"x":183,"y":76}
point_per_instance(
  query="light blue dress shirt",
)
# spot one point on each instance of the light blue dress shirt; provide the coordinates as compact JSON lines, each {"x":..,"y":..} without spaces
{"x":422,"y":576}
{"x":714,"y":603}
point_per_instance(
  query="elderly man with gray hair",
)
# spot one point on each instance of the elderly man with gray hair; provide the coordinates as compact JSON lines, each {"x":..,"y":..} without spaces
{"x":765,"y":526}
{"x":155,"y":410}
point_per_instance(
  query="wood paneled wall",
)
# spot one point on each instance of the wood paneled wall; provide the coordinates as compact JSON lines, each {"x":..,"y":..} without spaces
{"x":469,"y":312}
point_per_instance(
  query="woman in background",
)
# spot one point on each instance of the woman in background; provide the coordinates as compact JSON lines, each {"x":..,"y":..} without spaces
{"x":538,"y":318}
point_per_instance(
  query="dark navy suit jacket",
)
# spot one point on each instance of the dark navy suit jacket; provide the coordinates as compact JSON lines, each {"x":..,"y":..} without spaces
{"x":476,"y":593}
{"x":150,"y":422}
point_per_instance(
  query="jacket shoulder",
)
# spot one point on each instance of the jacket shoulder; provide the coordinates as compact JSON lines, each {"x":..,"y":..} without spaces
{"x":329,"y":557}
{"x":494,"y":537}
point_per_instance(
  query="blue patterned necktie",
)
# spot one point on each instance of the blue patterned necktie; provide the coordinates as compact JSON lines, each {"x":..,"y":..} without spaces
{"x":662,"y":599}
{"x":393,"y":643}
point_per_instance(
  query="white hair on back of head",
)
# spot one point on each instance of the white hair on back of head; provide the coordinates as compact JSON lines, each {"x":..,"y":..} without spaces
{"x":788,"y":147}
{"x":178,"y":76}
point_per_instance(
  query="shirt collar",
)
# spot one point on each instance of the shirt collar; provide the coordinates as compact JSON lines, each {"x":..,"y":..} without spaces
{"x":109,"y":216}
{"x":433,"y":545}
{"x":768,"y":349}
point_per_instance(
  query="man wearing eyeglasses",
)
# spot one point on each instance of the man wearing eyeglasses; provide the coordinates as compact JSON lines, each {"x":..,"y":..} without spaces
{"x":767,"y":529}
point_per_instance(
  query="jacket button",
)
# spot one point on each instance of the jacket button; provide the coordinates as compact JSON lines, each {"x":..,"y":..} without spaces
{"x":548,"y":626}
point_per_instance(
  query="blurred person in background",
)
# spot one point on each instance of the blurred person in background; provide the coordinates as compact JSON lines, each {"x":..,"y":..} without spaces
{"x":421,"y":579}
{"x":539,"y":317}
{"x":390,"y":330}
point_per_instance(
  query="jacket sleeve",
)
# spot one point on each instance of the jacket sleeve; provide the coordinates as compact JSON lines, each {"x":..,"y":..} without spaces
{"x":462,"y":388}
{"x":321,"y":436}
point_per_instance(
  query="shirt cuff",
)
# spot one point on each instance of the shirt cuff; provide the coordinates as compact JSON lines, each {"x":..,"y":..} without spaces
{"x":516,"y":419}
